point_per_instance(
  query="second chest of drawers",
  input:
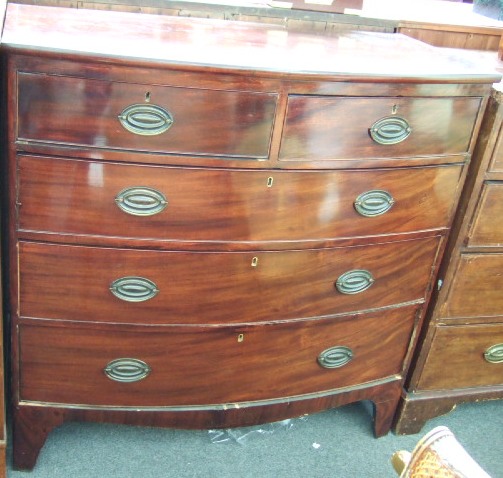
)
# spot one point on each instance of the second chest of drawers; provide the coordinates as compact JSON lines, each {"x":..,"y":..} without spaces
{"x":461,"y":356}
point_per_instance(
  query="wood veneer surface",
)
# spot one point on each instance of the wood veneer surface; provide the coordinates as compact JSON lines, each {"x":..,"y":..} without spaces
{"x":197,"y":43}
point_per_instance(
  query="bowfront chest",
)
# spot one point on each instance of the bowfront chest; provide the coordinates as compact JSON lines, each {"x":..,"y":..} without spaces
{"x":216,"y":224}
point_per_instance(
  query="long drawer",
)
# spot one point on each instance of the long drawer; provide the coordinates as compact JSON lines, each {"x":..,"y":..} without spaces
{"x":319,"y":128}
{"x":104,"y":114}
{"x":477,"y":287}
{"x":464,"y":356}
{"x":184,"y":366}
{"x":143,"y":286}
{"x":197,"y":204}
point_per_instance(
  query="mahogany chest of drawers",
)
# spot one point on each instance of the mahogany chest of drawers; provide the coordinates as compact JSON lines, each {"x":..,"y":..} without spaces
{"x":461,"y":354}
{"x":216,"y":224}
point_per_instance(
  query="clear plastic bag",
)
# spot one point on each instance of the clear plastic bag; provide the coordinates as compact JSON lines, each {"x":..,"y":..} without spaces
{"x":245,"y":434}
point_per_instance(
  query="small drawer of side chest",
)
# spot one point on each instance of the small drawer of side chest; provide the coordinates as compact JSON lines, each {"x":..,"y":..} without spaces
{"x":477,"y":286}
{"x":181,"y":287}
{"x":198,"y":204}
{"x":104,"y":114}
{"x":324,"y":128}
{"x":185,"y":366}
{"x":487,"y":226}
{"x":464,"y":356}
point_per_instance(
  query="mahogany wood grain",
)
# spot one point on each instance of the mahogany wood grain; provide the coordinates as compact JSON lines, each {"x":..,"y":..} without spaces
{"x":230,"y":85}
{"x":439,"y":126}
{"x":196,"y":44}
{"x":45,"y":62}
{"x":210,"y":122}
{"x":64,"y":363}
{"x":211,"y":80}
{"x":32,"y":424}
{"x":456,"y":358}
{"x":476,"y":287}
{"x":72,"y":282}
{"x":3,"y":375}
{"x":78,"y":197}
{"x":486,"y":231}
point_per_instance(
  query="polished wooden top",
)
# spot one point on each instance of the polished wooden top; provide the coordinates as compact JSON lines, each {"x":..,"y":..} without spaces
{"x":193,"y":44}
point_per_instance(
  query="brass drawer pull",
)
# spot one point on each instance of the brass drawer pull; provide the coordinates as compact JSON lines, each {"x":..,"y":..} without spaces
{"x":354,"y":282}
{"x":335,"y":357}
{"x":373,"y":203}
{"x":134,"y":289}
{"x":494,"y":354}
{"x":146,"y":119}
{"x":141,"y":201}
{"x":390,"y":130}
{"x":127,"y":370}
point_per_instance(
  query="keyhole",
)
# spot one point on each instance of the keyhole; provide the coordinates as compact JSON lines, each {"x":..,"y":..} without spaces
{"x":254,"y":262}
{"x":147,"y":96}
{"x":394,"y":109}
{"x":270,"y":180}
{"x":241,"y":337}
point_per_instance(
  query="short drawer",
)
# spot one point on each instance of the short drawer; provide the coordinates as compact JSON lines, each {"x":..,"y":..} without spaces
{"x":143,"y":286}
{"x":103,"y":114}
{"x":197,"y":204}
{"x":197,"y":366}
{"x":477,"y":287}
{"x":487,"y":227}
{"x":464,"y":356}
{"x":324,"y":128}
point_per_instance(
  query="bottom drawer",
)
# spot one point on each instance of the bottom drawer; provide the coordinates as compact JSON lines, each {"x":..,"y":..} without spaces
{"x":464,"y":356}
{"x":65,"y":363}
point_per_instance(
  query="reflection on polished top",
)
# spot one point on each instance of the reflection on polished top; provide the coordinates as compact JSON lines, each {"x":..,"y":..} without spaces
{"x":193,"y":43}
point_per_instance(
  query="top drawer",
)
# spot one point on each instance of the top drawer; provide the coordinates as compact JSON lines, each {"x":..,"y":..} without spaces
{"x":104,"y":114}
{"x":324,"y":128}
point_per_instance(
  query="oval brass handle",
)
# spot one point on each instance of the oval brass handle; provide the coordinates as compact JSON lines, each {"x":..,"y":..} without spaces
{"x":373,"y":203}
{"x":390,"y":130}
{"x":335,"y":357}
{"x":494,"y":354}
{"x":146,"y":119}
{"x":354,"y":282}
{"x":127,"y":370}
{"x":134,"y":289}
{"x":141,"y":201}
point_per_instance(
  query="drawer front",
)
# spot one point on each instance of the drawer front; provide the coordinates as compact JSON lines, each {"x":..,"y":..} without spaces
{"x":324,"y":128}
{"x":464,"y":356}
{"x":200,"y":365}
{"x":77,"y":111}
{"x":487,"y":227}
{"x":131,"y":286}
{"x":496,"y":164}
{"x":477,"y":287}
{"x":195,"y":204}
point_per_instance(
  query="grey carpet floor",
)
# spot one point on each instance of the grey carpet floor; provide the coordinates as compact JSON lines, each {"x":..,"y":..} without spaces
{"x":336,"y":443}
